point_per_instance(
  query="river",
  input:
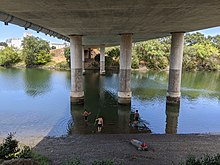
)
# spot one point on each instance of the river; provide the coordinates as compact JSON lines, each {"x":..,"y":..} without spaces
{"x":36,"y":102}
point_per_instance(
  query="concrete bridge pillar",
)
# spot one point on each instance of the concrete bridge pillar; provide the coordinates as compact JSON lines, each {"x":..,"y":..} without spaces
{"x":77,"y":91}
{"x":124,"y":93}
{"x":102,"y":59}
{"x":83,"y":61}
{"x":176,"y":58}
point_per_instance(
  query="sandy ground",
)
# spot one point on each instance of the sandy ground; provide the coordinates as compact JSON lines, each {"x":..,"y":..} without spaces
{"x":164,"y":149}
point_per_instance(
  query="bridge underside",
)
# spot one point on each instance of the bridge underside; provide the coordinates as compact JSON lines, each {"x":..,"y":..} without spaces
{"x":101,"y":21}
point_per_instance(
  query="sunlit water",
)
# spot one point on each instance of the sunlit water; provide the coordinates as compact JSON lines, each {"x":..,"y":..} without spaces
{"x":36,"y":102}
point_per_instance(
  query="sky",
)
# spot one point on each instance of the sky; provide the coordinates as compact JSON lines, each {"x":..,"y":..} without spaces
{"x":14,"y":31}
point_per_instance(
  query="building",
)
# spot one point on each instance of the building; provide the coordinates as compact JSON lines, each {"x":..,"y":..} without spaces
{"x":27,"y":34}
{"x":57,"y":45}
{"x":15,"y":42}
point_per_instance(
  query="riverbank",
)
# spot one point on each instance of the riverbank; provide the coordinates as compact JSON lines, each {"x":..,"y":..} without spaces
{"x":164,"y":149}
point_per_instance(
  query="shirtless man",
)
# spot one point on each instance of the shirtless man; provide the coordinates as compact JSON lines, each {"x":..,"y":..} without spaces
{"x":100,"y":123}
{"x":86,"y":114}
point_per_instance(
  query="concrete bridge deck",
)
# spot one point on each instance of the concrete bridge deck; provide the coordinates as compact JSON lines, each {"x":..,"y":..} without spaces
{"x":101,"y":21}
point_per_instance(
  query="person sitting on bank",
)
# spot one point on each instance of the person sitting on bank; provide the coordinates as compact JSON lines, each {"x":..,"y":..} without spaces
{"x":100,"y":123}
{"x":86,"y":114}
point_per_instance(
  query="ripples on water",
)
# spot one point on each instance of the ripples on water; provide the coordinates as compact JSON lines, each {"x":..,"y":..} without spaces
{"x":36,"y":103}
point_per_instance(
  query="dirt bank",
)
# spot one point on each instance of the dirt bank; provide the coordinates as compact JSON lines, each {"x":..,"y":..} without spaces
{"x":164,"y":149}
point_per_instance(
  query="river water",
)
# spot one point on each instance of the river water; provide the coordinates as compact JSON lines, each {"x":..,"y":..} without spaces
{"x":36,"y":102}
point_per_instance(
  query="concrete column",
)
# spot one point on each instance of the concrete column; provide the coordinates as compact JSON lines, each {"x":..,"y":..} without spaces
{"x":102,"y":59}
{"x":176,"y":58}
{"x":83,"y":61}
{"x":124,"y":93}
{"x":77,"y":91}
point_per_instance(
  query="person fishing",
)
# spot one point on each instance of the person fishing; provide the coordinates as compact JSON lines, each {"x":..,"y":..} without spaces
{"x":100,"y":123}
{"x":86,"y":114}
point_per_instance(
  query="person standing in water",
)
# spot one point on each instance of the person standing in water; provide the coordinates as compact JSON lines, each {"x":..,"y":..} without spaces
{"x":100,"y":123}
{"x":136,"y":116}
{"x":86,"y":114}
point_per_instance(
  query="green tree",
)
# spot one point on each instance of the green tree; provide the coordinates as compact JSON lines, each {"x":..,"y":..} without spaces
{"x":35,"y":51}
{"x":195,"y":38}
{"x":67,"y":55}
{"x":53,"y":47}
{"x":201,"y":57}
{"x":154,"y":52}
{"x":113,"y":54}
{"x":215,"y":41}
{"x":3,"y":44}
{"x":9,"y":56}
{"x":135,"y":60}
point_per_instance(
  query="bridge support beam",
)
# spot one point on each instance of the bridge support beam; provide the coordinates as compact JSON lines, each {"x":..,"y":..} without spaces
{"x":176,"y":58}
{"x":124,"y":93}
{"x":83,"y":61}
{"x":102,"y":59}
{"x":77,"y":90}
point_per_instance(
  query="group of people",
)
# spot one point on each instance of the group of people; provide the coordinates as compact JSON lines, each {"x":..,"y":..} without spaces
{"x":99,"y":120}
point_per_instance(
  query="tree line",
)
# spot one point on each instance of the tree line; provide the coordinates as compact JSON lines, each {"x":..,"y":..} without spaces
{"x":35,"y":52}
{"x":200,"y":53}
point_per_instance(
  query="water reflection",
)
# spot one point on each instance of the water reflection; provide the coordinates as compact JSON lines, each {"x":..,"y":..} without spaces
{"x":101,"y":102}
{"x":37,"y":82}
{"x":50,"y":113}
{"x":172,"y":114}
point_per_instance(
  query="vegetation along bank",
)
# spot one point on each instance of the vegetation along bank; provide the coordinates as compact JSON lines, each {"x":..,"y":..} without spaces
{"x":200,"y":53}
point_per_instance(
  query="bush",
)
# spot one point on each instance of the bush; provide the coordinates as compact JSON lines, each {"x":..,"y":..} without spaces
{"x":206,"y":160}
{"x":97,"y":58}
{"x":67,"y":55}
{"x":108,"y":61}
{"x":9,"y":56}
{"x":63,"y":65}
{"x":95,"y":64}
{"x":9,"y":150}
{"x":114,"y":52}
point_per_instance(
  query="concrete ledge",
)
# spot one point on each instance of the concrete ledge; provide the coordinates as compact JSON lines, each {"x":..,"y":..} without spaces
{"x":102,"y":73}
{"x":77,"y":97}
{"x":173,"y":100}
{"x":77,"y":100}
{"x":124,"y":97}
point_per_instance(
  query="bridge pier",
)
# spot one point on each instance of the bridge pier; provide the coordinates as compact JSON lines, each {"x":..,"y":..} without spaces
{"x":83,"y":61}
{"x":77,"y":90}
{"x":124,"y":93}
{"x":102,"y":59}
{"x":176,"y":58}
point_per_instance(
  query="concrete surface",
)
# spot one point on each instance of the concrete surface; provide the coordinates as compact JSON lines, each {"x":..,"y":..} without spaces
{"x":101,"y":21}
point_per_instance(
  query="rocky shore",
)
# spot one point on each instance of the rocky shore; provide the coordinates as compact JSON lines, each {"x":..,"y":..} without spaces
{"x":163,"y":149}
